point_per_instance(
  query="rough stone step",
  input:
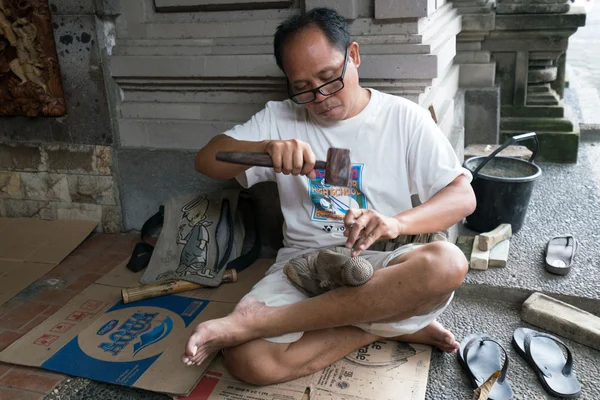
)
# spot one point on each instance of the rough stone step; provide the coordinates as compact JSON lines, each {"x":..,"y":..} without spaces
{"x":534,"y":111}
{"x":544,"y":88}
{"x":537,"y":124}
{"x":562,"y":319}
{"x":532,"y":101}
{"x":550,"y":98}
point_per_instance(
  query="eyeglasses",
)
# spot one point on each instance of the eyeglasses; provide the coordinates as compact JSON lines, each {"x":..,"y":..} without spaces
{"x":327,"y":89}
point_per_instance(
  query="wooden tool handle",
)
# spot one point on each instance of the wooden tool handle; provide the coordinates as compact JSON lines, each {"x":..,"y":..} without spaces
{"x":254,"y":158}
{"x":131,"y":295}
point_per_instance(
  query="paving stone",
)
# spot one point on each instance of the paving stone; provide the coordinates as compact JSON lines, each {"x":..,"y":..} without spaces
{"x":562,"y":319}
{"x":4,"y":368}
{"x":17,"y":394}
{"x":7,"y":338}
{"x":28,"y":379}
{"x":21,"y":315}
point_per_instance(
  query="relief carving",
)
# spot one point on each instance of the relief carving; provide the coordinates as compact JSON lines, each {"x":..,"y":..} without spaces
{"x":30,"y":81}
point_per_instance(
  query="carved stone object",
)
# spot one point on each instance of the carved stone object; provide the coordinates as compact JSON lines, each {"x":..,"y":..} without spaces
{"x":30,"y":81}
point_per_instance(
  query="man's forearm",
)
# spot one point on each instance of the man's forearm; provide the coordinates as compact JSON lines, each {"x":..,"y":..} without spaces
{"x":207,"y":164}
{"x":447,"y":207}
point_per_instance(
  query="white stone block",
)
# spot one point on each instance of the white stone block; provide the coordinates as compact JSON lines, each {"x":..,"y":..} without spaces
{"x":499,"y":254}
{"x":562,"y":319}
{"x":479,"y":258}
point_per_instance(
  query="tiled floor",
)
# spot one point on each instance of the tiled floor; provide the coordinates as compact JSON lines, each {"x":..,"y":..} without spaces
{"x":97,"y":255}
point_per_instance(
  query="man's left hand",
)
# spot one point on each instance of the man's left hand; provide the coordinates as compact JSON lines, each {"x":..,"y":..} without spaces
{"x":364,"y":227}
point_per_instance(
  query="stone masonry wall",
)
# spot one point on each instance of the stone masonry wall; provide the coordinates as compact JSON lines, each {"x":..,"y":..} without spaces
{"x":53,"y":181}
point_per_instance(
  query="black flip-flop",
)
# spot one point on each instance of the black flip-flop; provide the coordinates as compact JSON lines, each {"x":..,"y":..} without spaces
{"x":546,"y":358}
{"x":480,"y":356}
{"x":560,"y":253}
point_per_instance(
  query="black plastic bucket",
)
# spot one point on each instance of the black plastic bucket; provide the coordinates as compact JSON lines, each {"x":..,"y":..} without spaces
{"x":502,"y":187}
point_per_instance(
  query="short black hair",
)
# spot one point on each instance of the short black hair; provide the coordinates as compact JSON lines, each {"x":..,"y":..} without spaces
{"x":332,"y":24}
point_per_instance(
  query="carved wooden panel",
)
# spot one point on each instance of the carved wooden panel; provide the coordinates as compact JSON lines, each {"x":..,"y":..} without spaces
{"x":30,"y":82}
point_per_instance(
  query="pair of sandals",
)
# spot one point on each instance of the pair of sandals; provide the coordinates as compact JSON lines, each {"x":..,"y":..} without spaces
{"x":480,"y":356}
{"x":560,"y":253}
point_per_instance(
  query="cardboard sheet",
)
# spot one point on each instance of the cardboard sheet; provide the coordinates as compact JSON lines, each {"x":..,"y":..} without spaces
{"x":379,"y":371}
{"x":139,"y":344}
{"x":30,"y":247}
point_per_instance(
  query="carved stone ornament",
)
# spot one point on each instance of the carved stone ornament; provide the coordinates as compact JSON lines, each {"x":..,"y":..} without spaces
{"x":30,"y":81}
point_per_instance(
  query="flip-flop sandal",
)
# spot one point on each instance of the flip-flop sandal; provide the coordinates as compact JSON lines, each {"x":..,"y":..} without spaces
{"x":560,"y":253}
{"x":480,"y":356}
{"x":546,"y":358}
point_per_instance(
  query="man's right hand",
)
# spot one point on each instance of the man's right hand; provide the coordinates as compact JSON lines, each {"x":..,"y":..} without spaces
{"x":292,"y":157}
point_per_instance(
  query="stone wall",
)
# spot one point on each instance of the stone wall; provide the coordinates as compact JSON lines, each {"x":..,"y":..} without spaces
{"x":59,"y":181}
{"x":64,"y":167}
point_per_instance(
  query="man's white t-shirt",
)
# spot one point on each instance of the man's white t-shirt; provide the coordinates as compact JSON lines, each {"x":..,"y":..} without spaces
{"x":396,"y":150}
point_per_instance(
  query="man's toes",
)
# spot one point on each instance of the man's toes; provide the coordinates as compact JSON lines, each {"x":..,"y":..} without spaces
{"x":190,"y":347}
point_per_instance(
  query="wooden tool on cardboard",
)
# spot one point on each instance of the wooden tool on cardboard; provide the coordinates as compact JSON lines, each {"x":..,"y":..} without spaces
{"x":131,"y":295}
{"x":337,"y":166}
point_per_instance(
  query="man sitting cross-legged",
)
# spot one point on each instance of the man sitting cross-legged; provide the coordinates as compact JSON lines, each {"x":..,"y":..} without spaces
{"x":277,"y":333}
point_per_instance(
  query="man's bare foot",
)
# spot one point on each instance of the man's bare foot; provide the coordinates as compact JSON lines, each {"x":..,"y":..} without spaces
{"x":433,"y":334}
{"x":214,"y":335}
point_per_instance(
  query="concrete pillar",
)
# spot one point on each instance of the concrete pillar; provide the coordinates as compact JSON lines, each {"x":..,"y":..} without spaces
{"x":529,"y":43}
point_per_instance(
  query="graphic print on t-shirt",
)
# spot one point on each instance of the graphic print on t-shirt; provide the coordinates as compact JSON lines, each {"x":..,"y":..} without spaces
{"x":330,"y":203}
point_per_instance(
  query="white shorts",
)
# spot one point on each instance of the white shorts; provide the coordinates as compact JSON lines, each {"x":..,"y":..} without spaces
{"x":276,"y":290}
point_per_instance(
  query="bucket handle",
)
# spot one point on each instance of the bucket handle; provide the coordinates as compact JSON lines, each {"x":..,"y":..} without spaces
{"x":508,"y":142}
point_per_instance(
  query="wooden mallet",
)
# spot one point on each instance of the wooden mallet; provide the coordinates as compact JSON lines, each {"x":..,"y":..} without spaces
{"x":337,"y":168}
